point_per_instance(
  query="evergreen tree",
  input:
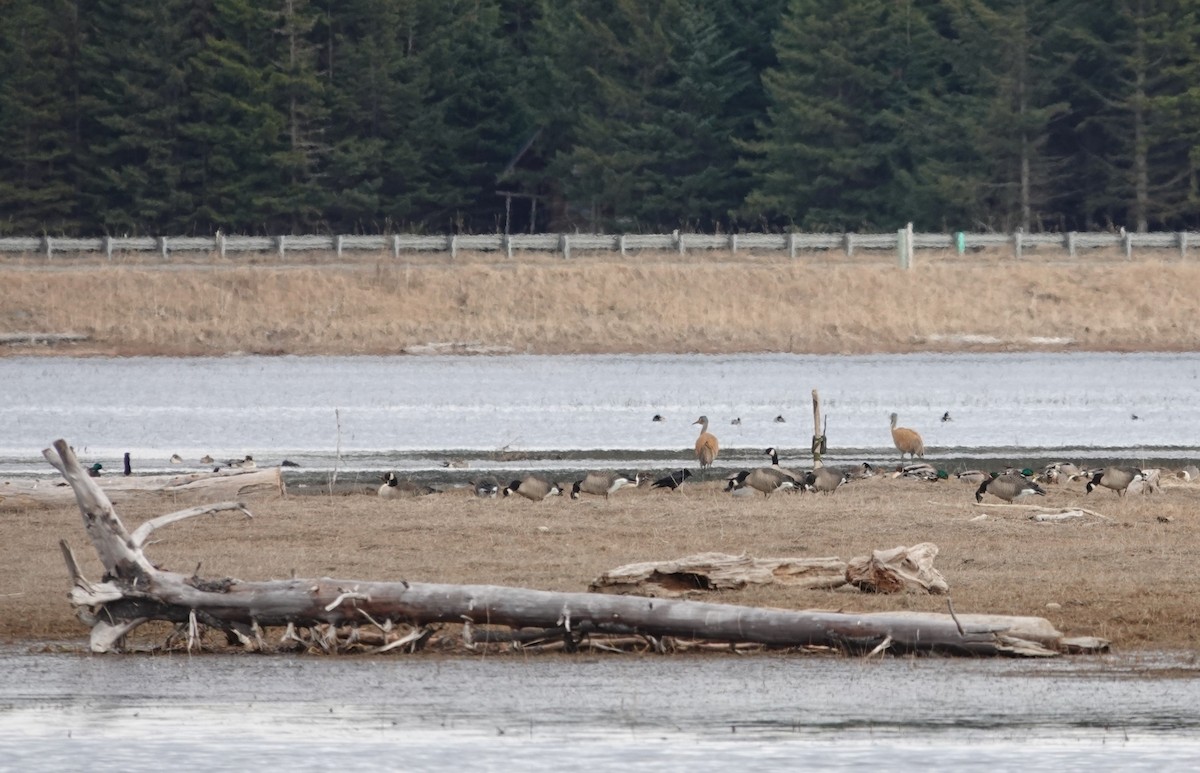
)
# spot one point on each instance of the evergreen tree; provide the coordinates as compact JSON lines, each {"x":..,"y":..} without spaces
{"x":36,"y":191}
{"x":847,"y":128}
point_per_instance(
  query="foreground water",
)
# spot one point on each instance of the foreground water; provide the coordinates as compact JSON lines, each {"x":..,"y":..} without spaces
{"x":60,"y":712}
{"x":412,"y":413}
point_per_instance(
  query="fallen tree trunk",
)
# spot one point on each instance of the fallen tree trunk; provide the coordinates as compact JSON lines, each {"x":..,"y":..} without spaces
{"x":136,"y":591}
{"x":719,"y":571}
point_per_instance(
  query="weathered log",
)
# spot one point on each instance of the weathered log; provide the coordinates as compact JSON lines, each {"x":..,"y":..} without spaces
{"x":135,"y":591}
{"x":224,"y":484}
{"x":719,"y":571}
{"x":899,"y":569}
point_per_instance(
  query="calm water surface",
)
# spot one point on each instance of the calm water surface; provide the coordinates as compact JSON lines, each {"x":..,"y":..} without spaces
{"x":411,"y":413}
{"x":60,"y":712}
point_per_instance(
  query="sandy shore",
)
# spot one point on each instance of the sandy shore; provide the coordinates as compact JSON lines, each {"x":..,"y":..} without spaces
{"x":1125,"y":574}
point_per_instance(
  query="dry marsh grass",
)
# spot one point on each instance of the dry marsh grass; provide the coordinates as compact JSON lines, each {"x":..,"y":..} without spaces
{"x":591,"y":305}
{"x":1128,"y":577}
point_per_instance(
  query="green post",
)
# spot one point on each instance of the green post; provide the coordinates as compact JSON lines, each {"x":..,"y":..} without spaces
{"x":960,"y":242}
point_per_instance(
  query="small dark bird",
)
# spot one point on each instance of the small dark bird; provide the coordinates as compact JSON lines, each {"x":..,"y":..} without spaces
{"x":95,"y":469}
{"x":946,"y":416}
{"x":737,"y":422}
{"x":779,"y":419}
{"x":672,"y":480}
{"x":288,"y":463}
{"x":658,"y":417}
{"x":1134,"y":417}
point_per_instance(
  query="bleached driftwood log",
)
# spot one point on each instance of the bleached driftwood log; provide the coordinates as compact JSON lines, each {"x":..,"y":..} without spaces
{"x":719,"y":571}
{"x":899,"y":569}
{"x":231,"y":484}
{"x":135,"y":591}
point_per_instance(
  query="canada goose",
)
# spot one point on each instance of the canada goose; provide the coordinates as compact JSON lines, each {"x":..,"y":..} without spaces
{"x":394,"y":488}
{"x":486,"y":488}
{"x":826,"y":479}
{"x":206,"y":459}
{"x":672,"y":480}
{"x":797,"y":478}
{"x":1115,"y":478}
{"x":907,"y":441}
{"x":864,"y":470}
{"x":176,"y":459}
{"x":973,"y":477}
{"x":95,"y":469}
{"x":1008,"y":487}
{"x":706,"y":444}
{"x":532,"y":488}
{"x":603,"y":484}
{"x":768,"y":480}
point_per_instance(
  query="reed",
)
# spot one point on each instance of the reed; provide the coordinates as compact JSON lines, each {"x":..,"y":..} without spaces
{"x":599,"y":306}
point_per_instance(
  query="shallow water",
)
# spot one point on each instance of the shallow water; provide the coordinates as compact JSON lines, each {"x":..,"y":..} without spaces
{"x":411,"y":413}
{"x":678,"y":713}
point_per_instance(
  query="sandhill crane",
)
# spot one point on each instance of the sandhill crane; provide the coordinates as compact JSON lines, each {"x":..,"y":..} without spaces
{"x":1115,"y":478}
{"x":1008,"y":487}
{"x":907,"y":441}
{"x":706,"y":444}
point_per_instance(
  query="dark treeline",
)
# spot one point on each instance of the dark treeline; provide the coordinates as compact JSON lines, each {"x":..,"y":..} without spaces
{"x":292,"y":116}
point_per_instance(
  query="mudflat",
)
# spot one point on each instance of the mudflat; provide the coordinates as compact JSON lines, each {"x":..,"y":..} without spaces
{"x":1125,"y":573}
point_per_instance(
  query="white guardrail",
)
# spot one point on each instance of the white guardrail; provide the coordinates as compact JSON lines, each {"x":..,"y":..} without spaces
{"x":791,"y":243}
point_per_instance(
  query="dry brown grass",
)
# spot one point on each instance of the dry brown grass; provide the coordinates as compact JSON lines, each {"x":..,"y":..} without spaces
{"x":1130,"y":578}
{"x":598,"y":304}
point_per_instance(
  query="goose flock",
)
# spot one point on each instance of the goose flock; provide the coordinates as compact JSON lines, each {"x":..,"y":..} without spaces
{"x":1008,"y":485}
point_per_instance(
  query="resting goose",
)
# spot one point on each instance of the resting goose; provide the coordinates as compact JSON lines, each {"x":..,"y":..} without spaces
{"x":1008,"y":487}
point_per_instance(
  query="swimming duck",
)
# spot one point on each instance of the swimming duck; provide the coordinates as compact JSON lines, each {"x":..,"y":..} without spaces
{"x":94,"y":470}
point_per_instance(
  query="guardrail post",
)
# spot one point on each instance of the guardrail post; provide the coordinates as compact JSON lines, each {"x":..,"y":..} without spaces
{"x":47,"y":246}
{"x":621,"y":244}
{"x":337,"y":245}
{"x":1017,"y":246}
{"x":848,"y":240}
{"x":220,"y":245}
{"x":904,"y":240}
{"x":508,"y":246}
{"x":108,"y":247}
{"x":679,"y":241}
{"x":733,"y":244}
{"x":565,"y":244}
{"x":1183,"y":245}
{"x":396,"y":246}
{"x":162,"y":247}
{"x":1071,"y":243}
{"x":1127,"y":244}
{"x":453,"y":246}
{"x":791,"y":244}
{"x":281,"y":239}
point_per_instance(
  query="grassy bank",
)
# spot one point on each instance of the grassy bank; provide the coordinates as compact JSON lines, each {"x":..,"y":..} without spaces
{"x":598,"y":306}
{"x":1127,"y":576}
